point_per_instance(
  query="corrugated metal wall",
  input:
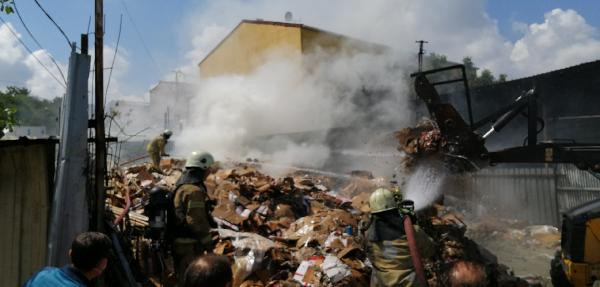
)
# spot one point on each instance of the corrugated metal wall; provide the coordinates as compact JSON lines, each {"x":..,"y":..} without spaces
{"x":26,"y":172}
{"x":534,"y":194}
{"x":575,"y":187}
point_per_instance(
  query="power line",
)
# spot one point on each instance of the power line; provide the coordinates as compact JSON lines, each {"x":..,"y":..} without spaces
{"x":139,"y":35}
{"x":31,"y":53}
{"x":38,"y":43}
{"x":112,"y":65}
{"x":57,"y":26}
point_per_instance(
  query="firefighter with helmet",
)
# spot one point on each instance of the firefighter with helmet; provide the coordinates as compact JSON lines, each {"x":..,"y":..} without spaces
{"x":387,"y":244}
{"x":156,"y":148}
{"x":192,"y":213}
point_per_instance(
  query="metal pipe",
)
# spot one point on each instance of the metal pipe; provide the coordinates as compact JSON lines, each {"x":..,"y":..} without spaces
{"x":414,"y":252}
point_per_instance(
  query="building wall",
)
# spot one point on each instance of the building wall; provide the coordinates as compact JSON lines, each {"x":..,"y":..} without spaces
{"x":314,"y":40}
{"x":249,"y":46}
{"x":170,"y":104}
{"x":26,"y":170}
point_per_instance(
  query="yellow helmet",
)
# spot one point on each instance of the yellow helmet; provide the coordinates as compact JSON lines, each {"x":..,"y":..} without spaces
{"x":382,"y":200}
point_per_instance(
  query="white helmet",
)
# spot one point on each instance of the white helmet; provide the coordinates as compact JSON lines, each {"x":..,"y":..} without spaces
{"x":200,"y":160}
{"x":167,"y":133}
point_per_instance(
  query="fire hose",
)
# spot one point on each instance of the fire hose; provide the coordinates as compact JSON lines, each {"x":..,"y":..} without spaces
{"x":414,"y":252}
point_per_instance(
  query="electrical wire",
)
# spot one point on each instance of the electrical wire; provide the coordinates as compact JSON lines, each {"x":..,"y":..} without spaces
{"x":112,"y":65}
{"x":55,"y":24}
{"x":62,"y":75}
{"x":31,"y":53}
{"x":139,"y":35}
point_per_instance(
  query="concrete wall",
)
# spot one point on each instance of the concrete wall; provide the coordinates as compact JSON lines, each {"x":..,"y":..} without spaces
{"x":249,"y":45}
{"x":26,"y":173}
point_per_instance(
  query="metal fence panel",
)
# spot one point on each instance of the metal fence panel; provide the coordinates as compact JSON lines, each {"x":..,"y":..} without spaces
{"x":575,"y":187}
{"x":524,"y":193}
{"x":537,"y":195}
{"x":26,"y":171}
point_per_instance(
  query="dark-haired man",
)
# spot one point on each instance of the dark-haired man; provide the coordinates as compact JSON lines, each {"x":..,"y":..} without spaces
{"x":209,"y":270}
{"x":89,"y":257}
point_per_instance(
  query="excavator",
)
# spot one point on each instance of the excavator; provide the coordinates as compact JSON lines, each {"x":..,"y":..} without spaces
{"x":464,"y":150}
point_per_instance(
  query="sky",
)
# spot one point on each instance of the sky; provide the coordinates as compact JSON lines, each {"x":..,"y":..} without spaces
{"x":515,"y":37}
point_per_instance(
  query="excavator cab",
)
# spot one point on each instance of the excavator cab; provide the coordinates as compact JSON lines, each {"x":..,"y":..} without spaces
{"x":578,"y":262}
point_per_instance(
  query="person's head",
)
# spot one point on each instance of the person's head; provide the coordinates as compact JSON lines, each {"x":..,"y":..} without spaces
{"x":467,"y":274}
{"x":382,"y":200}
{"x":167,"y":134}
{"x":208,"y":270}
{"x":89,"y":253}
{"x":199,"y":160}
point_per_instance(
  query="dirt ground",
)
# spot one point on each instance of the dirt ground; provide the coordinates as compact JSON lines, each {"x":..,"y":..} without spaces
{"x":524,"y":260}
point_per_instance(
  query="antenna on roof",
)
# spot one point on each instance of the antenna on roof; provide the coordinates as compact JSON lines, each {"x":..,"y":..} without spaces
{"x":288,"y":16}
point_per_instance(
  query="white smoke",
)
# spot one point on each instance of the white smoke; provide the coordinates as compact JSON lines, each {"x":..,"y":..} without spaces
{"x":257,"y":115}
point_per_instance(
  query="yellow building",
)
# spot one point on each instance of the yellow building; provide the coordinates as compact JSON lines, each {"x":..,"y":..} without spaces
{"x":251,"y":42}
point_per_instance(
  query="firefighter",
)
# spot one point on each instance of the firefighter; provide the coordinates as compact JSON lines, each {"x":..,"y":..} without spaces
{"x":387,"y":245}
{"x":156,"y":148}
{"x":192,"y":215}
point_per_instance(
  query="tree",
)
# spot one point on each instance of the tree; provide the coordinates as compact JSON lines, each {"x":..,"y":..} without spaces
{"x":502,"y":78}
{"x":486,"y":78}
{"x":436,"y":61}
{"x":28,"y":110}
{"x":6,"y":6}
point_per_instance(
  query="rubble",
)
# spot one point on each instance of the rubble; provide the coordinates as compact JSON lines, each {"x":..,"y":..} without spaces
{"x":302,"y":229}
{"x":422,"y":141}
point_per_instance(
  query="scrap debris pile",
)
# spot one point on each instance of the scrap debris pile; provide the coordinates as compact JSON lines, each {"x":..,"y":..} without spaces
{"x":302,"y":229}
{"x":422,"y":141}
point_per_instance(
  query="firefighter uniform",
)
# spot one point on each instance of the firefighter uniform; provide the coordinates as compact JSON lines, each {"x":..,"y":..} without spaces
{"x":192,"y":214}
{"x":386,"y":243}
{"x":156,"y":149}
{"x":392,"y":265}
{"x":193,"y":235}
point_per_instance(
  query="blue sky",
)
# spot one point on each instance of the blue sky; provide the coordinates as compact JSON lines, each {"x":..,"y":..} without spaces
{"x":168,"y":28}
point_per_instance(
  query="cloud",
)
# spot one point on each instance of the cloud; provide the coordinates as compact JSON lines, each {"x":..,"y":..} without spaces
{"x":17,"y":67}
{"x":563,"y":39}
{"x":118,"y":81}
{"x":10,"y":51}
{"x":41,"y":83}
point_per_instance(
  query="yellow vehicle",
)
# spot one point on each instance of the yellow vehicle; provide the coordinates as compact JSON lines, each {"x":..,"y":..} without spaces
{"x":578,"y":262}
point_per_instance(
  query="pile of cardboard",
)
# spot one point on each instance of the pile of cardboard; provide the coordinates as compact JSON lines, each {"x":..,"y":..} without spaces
{"x":423,"y":140}
{"x":302,"y":229}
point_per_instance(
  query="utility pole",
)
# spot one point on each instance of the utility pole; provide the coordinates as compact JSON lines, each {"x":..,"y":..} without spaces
{"x":421,"y":53}
{"x":100,"y":141}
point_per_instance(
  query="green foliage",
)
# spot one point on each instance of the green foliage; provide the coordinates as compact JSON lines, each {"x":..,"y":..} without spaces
{"x":28,"y":110}
{"x":502,"y":78}
{"x":7,"y":118}
{"x":6,"y":6}
{"x":486,"y":77}
{"x":436,"y":61}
